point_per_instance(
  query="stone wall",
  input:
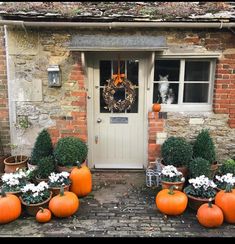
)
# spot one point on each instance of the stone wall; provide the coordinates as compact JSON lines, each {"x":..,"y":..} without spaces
{"x":188,"y":125}
{"x":4,"y":115}
{"x":63,"y":110}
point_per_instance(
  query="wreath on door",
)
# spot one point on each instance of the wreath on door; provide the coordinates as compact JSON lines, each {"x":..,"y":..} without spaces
{"x":116,"y":83}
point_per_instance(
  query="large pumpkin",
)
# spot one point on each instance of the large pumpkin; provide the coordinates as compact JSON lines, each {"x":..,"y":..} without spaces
{"x":43,"y":215}
{"x":64,"y":204}
{"x":210,"y":215}
{"x":225,"y":199}
{"x":10,"y":207}
{"x":171,"y":202}
{"x":81,"y":181}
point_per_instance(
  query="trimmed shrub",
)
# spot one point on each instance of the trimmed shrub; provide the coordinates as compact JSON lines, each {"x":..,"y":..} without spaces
{"x":176,"y":151}
{"x":42,"y":147}
{"x":227,"y":167}
{"x":199,"y":166}
{"x":69,"y":150}
{"x":46,"y":166}
{"x":204,"y":147}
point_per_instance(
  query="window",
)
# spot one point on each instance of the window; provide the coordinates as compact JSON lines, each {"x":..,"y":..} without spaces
{"x":183,"y":83}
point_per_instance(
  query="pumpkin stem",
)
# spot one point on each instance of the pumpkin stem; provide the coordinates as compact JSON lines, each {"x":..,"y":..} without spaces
{"x":61,"y":191}
{"x":210,"y":203}
{"x":171,"y":190}
{"x":78,"y":164}
{"x":42,"y":209}
{"x":3,"y":193}
{"x":228,"y":188}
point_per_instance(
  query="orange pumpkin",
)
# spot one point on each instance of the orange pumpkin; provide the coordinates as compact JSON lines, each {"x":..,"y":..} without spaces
{"x":156,"y":107}
{"x":81,"y":181}
{"x":225,"y":199}
{"x":171,"y":202}
{"x":10,"y":207}
{"x":64,"y":204}
{"x":43,"y":215}
{"x":210,"y":215}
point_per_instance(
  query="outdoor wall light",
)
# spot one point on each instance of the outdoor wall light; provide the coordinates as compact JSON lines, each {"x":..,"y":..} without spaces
{"x":54,"y":76}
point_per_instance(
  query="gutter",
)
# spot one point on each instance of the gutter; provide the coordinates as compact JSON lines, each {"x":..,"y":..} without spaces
{"x":111,"y":25}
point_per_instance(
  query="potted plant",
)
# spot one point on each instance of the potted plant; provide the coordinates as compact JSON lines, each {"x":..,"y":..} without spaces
{"x":33,"y":197}
{"x":13,"y":182}
{"x":42,"y":148}
{"x":171,"y":176}
{"x":68,"y":151}
{"x":199,"y":166}
{"x":178,"y":152}
{"x":227,"y":167}
{"x":58,"y":180}
{"x":224,"y":180}
{"x":18,"y":161}
{"x":199,"y":191}
{"x":204,"y":147}
{"x":46,"y":166}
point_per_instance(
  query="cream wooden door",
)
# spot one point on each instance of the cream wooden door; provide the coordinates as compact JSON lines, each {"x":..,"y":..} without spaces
{"x":118,"y":137}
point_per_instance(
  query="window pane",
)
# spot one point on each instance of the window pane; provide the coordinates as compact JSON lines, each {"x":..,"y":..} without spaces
{"x":169,"y":69}
{"x":197,"y":70}
{"x":105,"y":72}
{"x":132,"y":71}
{"x":195,"y":93}
{"x":166,"y":94}
{"x":134,"y":107}
{"x":102,"y":103}
{"x":115,"y":67}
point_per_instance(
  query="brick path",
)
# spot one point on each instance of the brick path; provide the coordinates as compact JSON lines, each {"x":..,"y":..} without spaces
{"x":120,"y":205}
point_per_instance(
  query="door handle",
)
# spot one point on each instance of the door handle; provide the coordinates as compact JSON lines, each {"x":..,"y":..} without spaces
{"x":99,"y":120}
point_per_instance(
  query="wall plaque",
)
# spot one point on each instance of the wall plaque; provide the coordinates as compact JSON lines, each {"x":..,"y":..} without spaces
{"x":118,"y":120}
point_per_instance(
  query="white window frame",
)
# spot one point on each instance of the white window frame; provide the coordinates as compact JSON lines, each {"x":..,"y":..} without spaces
{"x":187,"y":107}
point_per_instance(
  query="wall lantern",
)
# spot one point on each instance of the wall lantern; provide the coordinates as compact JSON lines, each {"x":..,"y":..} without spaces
{"x":54,"y":76}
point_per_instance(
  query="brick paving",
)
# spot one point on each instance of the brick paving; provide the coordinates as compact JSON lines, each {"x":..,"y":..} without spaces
{"x":120,"y":205}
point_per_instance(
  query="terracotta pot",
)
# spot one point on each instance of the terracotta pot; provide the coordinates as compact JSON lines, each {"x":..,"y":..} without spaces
{"x":11,"y":166}
{"x":38,"y":180}
{"x":32,"y":166}
{"x":195,"y":202}
{"x":32,"y":209}
{"x":214,"y":168}
{"x":17,"y":193}
{"x":167,"y":185}
{"x":56,"y":190}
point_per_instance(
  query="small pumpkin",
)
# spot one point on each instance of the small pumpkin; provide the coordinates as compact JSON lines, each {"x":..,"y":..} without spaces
{"x":156,"y":107}
{"x":81,"y":180}
{"x":64,"y":204}
{"x":225,"y":199}
{"x":10,"y":207}
{"x":209,"y":215}
{"x":43,"y":215}
{"x":171,"y":202}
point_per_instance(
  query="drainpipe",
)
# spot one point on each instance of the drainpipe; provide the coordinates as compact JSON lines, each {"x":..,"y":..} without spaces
{"x":119,"y":24}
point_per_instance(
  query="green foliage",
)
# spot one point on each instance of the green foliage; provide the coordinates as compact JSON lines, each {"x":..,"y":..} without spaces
{"x":46,"y":166}
{"x":176,"y":151}
{"x":42,"y":147}
{"x":69,"y":150}
{"x":227,"y":167}
{"x":199,"y":166}
{"x":204,"y":147}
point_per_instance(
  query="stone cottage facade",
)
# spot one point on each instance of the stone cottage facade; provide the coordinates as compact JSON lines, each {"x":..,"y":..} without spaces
{"x":193,"y":52}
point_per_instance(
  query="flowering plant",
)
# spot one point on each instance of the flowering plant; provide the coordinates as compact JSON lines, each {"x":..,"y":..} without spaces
{"x":171,"y":174}
{"x":222,"y":181}
{"x":13,"y":182}
{"x":32,"y":194}
{"x":60,"y":179}
{"x":201,"y":186}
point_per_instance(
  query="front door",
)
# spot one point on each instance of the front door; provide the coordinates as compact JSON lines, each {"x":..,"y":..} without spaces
{"x":117,"y":140}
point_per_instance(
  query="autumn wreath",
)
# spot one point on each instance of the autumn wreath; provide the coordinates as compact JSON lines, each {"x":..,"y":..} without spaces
{"x":110,"y":89}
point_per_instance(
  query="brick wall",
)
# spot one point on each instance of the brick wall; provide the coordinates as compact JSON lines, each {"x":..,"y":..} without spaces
{"x":75,"y":124}
{"x":4,"y":116}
